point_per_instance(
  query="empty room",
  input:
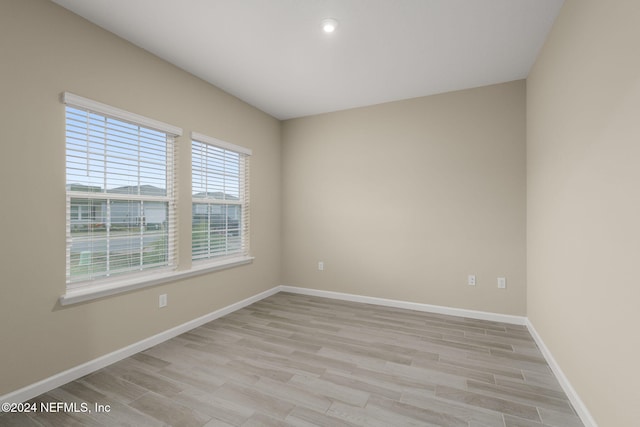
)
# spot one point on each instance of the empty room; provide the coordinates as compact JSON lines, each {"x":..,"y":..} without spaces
{"x":320,"y":212}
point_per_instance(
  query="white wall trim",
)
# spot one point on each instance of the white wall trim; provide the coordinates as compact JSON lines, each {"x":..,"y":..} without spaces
{"x":459,"y":312}
{"x":220,"y":143}
{"x":573,"y":396}
{"x":571,"y":393}
{"x":76,"y":372}
{"x":74,"y":100}
{"x":147,"y":279}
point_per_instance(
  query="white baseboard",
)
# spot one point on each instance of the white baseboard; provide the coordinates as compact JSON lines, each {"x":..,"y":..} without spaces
{"x":459,"y":312}
{"x":76,"y":372}
{"x":577,"y":403}
{"x":571,"y":393}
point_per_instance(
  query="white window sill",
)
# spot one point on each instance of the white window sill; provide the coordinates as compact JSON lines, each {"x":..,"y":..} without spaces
{"x":126,"y":284}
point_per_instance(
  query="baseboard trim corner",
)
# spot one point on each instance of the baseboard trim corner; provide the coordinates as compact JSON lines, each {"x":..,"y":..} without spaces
{"x":57,"y":380}
{"x":578,"y":404}
{"x":429,"y":308}
{"x":573,"y":396}
{"x":47,"y":384}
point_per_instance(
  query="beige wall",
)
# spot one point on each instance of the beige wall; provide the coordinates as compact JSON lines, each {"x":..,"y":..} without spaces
{"x":404,"y":200}
{"x":45,"y":50}
{"x":400,"y":200}
{"x":583,"y":152}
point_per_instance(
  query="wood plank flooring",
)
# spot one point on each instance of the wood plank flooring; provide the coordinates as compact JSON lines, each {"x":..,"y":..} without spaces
{"x":293,"y":360}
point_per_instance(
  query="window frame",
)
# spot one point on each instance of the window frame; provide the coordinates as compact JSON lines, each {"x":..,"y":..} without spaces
{"x":122,"y":280}
{"x":86,"y":291}
{"x":201,"y":142}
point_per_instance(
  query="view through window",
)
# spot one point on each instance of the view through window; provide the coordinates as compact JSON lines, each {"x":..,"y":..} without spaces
{"x":120,"y":196}
{"x":220,"y":196}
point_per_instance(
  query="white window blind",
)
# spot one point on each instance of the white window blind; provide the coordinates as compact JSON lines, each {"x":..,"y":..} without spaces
{"x":121,"y":191}
{"x":220,"y":199}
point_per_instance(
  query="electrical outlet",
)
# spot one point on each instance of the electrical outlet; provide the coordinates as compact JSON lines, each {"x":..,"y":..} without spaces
{"x":471,"y":280}
{"x":162,"y":301}
{"x":320,"y":265}
{"x":502,"y":282}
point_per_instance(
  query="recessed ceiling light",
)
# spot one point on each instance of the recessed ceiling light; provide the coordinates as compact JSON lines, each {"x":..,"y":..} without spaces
{"x":329,"y":25}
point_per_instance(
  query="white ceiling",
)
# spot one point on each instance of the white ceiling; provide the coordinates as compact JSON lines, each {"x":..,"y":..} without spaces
{"x":273,"y":54}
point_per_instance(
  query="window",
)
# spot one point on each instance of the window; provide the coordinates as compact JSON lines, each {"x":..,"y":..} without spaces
{"x":220,"y":199}
{"x":121,"y":192}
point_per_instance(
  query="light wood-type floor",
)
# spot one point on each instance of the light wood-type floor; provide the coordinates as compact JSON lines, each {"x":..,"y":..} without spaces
{"x":308,"y":361}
